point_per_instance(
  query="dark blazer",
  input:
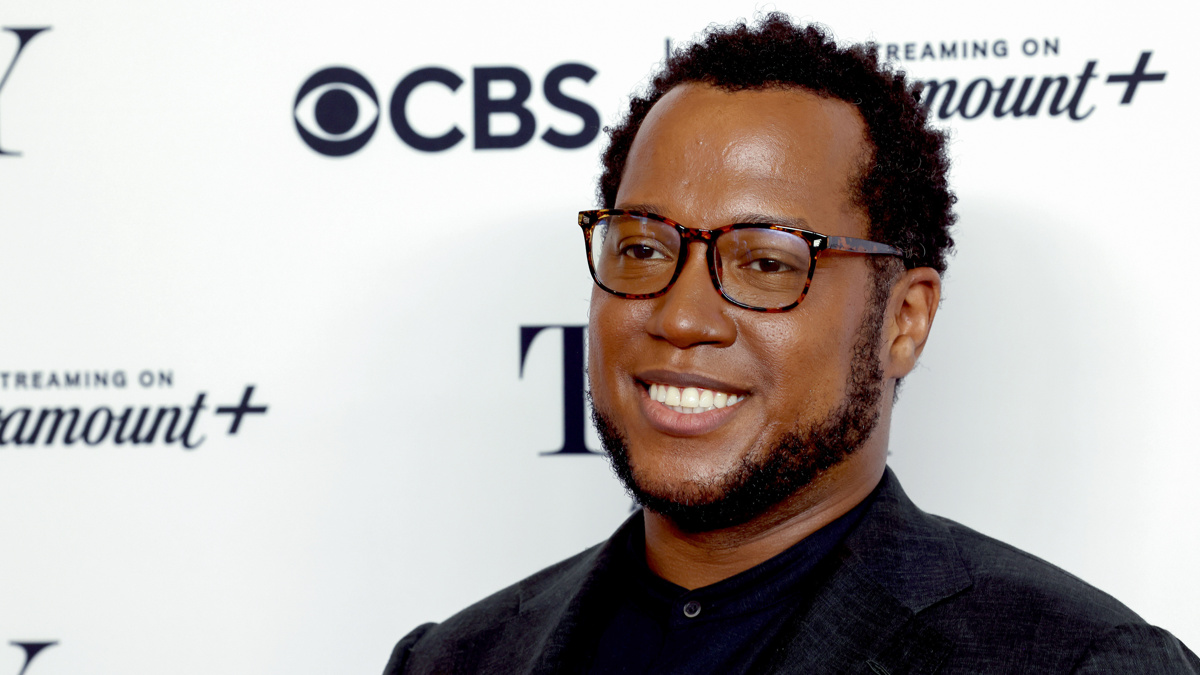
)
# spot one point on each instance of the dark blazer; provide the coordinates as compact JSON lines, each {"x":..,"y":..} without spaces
{"x":906,"y":592}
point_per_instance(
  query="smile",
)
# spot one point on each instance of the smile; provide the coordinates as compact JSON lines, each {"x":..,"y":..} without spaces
{"x":691,"y":400}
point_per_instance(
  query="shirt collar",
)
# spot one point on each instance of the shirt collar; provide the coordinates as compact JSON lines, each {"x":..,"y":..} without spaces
{"x":775,"y":580}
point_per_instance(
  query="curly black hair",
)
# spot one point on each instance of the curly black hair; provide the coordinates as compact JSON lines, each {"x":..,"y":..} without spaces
{"x":902,"y":187}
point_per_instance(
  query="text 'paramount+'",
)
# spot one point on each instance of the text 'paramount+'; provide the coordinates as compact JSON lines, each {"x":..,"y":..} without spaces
{"x":337,"y":111}
{"x":119,"y":425}
{"x":1018,"y":96}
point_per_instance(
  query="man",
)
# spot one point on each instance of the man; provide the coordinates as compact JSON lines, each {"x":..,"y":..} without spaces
{"x":767,"y":270}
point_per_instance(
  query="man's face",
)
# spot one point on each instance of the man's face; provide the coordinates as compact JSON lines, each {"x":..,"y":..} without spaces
{"x":705,"y":157}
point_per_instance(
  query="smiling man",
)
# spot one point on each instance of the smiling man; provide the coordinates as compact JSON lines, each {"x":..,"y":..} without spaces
{"x":767,"y":269}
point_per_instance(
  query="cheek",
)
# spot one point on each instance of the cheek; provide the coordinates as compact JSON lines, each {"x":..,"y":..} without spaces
{"x":613,"y":328}
{"x":806,"y":359}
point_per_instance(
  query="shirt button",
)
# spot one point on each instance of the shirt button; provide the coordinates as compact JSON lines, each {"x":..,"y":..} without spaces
{"x":692,"y":609}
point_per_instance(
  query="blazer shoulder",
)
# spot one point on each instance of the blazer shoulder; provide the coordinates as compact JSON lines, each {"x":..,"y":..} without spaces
{"x":1138,"y":648}
{"x":399,"y":659}
{"x":1023,"y":614}
{"x":501,"y":629}
{"x":1005,"y":576}
{"x":995,"y":607}
{"x":936,"y":565}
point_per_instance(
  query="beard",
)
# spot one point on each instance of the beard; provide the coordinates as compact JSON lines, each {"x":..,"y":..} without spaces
{"x":795,"y":460}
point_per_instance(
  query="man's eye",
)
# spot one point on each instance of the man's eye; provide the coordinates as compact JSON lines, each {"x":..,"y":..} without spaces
{"x":641,"y":252}
{"x":769,"y":265}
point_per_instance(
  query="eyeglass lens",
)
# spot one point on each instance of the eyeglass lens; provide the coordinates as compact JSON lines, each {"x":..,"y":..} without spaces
{"x":759,"y":267}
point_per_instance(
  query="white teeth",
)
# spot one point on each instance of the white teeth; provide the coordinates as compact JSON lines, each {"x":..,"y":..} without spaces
{"x":690,"y":411}
{"x":691,"y":400}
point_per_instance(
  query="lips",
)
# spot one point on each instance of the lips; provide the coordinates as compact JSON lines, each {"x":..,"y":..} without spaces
{"x":687,"y":404}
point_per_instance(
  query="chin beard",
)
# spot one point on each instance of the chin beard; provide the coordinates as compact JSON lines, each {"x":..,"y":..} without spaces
{"x":763,"y":480}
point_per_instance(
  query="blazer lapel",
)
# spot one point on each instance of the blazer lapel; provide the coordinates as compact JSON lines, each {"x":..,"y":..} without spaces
{"x":863,"y":619}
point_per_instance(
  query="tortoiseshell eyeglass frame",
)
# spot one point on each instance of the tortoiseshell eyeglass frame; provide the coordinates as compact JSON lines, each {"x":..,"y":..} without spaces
{"x":817,"y":243}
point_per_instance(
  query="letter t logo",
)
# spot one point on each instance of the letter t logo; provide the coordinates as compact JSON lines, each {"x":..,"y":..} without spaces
{"x":32,"y":649}
{"x":573,"y":387}
{"x":24,"y":35}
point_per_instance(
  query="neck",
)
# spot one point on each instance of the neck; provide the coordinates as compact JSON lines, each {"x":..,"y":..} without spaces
{"x":695,"y":559}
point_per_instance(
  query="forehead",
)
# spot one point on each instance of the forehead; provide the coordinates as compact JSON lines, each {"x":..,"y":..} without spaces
{"x":711,"y":156}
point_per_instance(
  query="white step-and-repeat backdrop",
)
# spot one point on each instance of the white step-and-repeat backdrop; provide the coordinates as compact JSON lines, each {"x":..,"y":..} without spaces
{"x":280,"y":378}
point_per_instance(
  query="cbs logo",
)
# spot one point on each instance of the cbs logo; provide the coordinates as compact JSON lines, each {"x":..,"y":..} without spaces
{"x":337,"y":110}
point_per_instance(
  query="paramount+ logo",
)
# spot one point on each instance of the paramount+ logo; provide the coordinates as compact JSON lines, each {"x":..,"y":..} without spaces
{"x":1062,"y":94}
{"x":337,"y":110}
{"x":167,"y":422}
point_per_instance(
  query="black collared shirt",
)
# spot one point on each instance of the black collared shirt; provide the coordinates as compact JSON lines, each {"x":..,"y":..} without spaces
{"x":654,"y":626}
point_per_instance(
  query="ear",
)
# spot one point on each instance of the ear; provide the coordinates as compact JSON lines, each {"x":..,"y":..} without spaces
{"x":913,"y":303}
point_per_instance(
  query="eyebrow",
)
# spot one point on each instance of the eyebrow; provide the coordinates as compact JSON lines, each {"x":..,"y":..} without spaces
{"x":757,"y":218}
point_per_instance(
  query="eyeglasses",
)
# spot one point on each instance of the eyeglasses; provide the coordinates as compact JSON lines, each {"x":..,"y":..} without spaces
{"x":763,"y":267}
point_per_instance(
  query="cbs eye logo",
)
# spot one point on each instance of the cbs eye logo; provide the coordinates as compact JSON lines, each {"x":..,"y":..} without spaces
{"x":336,"y":110}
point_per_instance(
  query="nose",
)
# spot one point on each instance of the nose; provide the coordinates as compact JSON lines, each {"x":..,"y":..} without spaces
{"x":693,"y":313}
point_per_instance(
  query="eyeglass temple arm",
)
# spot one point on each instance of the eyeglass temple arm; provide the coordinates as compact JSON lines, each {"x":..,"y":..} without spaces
{"x":860,"y":246}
